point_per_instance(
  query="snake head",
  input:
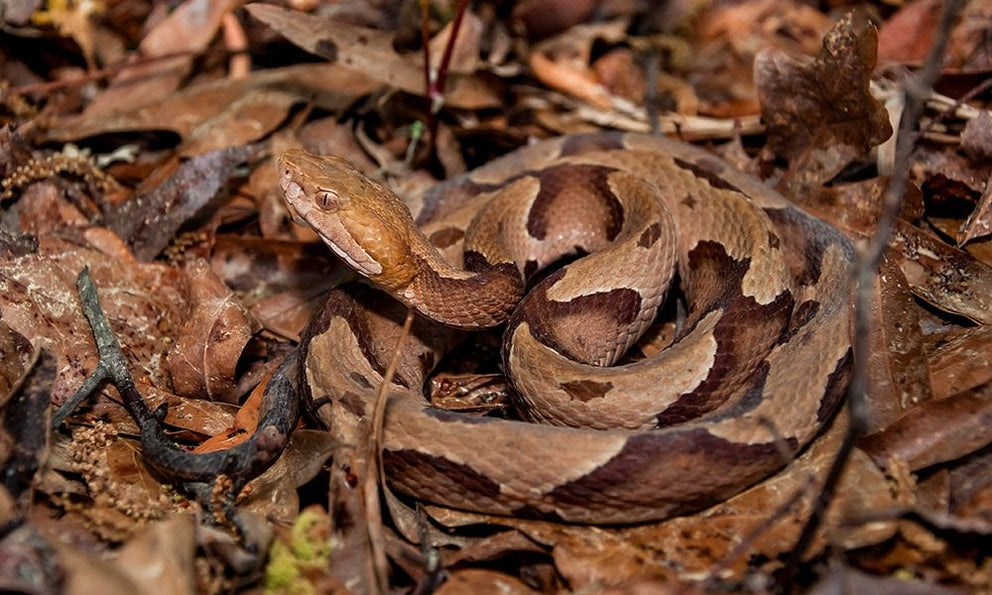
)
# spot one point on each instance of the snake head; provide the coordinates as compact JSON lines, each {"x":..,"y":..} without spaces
{"x":363,"y":222}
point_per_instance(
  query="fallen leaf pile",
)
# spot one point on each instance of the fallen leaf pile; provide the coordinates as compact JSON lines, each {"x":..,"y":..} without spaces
{"x":137,"y":138}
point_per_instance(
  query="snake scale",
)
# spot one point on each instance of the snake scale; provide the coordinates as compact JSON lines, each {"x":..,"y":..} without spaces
{"x":756,"y":369}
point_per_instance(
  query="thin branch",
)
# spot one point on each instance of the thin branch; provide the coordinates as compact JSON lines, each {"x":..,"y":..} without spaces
{"x":434,"y":81}
{"x":917,"y":89}
{"x":374,"y":473}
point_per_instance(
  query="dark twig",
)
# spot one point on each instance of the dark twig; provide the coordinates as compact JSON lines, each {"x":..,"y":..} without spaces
{"x":241,"y":463}
{"x":437,"y":93}
{"x":917,"y":89}
{"x":434,"y":81}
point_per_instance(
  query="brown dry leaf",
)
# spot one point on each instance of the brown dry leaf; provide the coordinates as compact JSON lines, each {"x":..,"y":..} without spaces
{"x":466,"y":50}
{"x":26,"y":561}
{"x":206,"y":350}
{"x":483,"y":581}
{"x":126,"y":468}
{"x":149,"y":221}
{"x":142,"y":301}
{"x":944,"y":276}
{"x":563,"y":62}
{"x":282,"y":283}
{"x":843,"y":579}
{"x":976,"y":138}
{"x":490,"y":547}
{"x":329,"y":136}
{"x":73,"y":19}
{"x":223,"y":113}
{"x":962,"y":360}
{"x":542,"y":18}
{"x":907,"y":36}
{"x":854,"y":207}
{"x":43,"y":209}
{"x":160,"y":559}
{"x":25,"y":404}
{"x":729,"y":35}
{"x":821,"y":115}
{"x":970,"y":486}
{"x":245,"y":422}
{"x":274,"y":493}
{"x":119,"y":496}
{"x":156,"y":70}
{"x":15,"y":359}
{"x":752,"y":24}
{"x":979,"y":223}
{"x":898,"y":378}
{"x":929,"y":162}
{"x":370,"y":51}
{"x":85,"y":574}
{"x":191,"y":419}
{"x":18,"y":12}
{"x":936,"y":432}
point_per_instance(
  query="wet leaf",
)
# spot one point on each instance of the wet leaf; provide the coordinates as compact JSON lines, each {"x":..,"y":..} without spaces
{"x":942,"y":275}
{"x":898,"y":376}
{"x":961,"y":360}
{"x":937,"y":431}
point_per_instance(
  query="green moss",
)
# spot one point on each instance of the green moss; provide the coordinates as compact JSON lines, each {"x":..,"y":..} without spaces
{"x":305,"y":554}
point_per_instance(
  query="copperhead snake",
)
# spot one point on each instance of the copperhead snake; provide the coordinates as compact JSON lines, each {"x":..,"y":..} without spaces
{"x":758,"y":366}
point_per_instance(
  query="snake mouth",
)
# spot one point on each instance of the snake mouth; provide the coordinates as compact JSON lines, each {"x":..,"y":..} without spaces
{"x":337,"y":238}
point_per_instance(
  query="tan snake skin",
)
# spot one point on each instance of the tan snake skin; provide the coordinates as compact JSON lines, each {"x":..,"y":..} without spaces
{"x":756,"y":369}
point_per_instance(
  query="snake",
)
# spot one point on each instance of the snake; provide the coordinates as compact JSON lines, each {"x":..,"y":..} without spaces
{"x":760,"y":359}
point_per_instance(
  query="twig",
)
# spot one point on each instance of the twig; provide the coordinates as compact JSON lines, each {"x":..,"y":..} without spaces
{"x":437,"y":93}
{"x":374,"y":474}
{"x":865,"y":272}
{"x":280,"y":410}
{"x":109,"y":71}
{"x":434,"y":81}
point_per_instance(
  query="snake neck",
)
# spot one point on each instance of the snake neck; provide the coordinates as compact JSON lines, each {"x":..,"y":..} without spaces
{"x":480,"y":296}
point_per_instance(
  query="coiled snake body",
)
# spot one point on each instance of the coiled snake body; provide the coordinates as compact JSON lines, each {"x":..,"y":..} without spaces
{"x":757,"y":368}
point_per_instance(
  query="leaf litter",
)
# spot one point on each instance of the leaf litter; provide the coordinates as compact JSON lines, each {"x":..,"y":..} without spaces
{"x":172,"y":204}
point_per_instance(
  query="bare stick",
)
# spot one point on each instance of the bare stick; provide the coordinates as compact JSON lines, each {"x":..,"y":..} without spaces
{"x":434,"y":81}
{"x":374,"y":475}
{"x":865,"y":272}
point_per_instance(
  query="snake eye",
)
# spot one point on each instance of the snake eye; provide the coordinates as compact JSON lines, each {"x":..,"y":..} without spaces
{"x":327,"y":200}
